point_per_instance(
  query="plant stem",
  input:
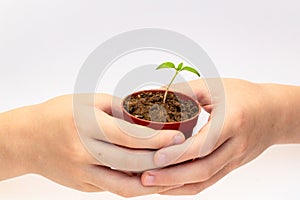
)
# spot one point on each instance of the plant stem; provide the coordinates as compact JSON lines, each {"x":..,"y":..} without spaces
{"x":166,"y":92}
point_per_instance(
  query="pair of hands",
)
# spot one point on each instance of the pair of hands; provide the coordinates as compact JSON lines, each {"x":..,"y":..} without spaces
{"x":47,"y":143}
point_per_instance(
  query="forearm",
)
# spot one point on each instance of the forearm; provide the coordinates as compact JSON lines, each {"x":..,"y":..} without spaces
{"x":286,"y":101}
{"x":15,"y":134}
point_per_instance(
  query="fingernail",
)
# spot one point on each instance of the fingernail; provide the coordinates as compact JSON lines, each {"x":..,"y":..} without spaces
{"x":161,"y":159}
{"x":149,"y":180}
{"x":178,"y":139}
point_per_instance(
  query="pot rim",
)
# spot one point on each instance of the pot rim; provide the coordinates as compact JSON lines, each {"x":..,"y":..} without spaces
{"x":161,"y":90}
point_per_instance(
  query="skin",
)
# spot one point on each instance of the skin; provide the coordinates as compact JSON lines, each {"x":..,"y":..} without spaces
{"x":257,"y":117}
{"x":43,"y":139}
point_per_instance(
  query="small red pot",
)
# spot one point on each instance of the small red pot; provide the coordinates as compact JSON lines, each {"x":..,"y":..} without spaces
{"x":186,"y":126}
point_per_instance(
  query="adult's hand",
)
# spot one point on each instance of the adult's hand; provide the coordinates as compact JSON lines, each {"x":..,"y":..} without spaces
{"x":257,"y":116}
{"x":43,"y":139}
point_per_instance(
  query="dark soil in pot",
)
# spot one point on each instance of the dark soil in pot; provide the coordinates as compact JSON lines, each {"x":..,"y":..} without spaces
{"x":149,"y":106}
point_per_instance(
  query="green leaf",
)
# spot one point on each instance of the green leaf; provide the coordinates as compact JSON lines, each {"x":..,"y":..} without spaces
{"x":179,"y":67}
{"x":190,"y":69}
{"x":166,"y":65}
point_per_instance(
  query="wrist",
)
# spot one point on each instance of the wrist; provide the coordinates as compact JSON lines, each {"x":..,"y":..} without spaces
{"x":286,"y":107}
{"x":17,"y":148}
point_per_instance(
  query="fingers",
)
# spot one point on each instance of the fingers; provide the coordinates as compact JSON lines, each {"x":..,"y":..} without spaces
{"x":120,"y":158}
{"x":123,"y":133}
{"x":197,"y":146}
{"x":98,"y":123}
{"x":195,"y":188}
{"x":197,"y":89}
{"x":120,"y":183}
{"x":109,"y":104}
{"x":105,"y":102}
{"x":191,"y":172}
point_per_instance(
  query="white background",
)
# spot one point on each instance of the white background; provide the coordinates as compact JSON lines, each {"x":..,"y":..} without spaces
{"x":44,"y":43}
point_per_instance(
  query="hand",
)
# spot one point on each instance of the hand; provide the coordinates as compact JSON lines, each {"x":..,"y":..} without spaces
{"x":257,"y":116}
{"x":43,"y":139}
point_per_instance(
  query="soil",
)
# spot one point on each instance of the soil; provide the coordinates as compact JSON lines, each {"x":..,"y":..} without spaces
{"x":149,"y":106}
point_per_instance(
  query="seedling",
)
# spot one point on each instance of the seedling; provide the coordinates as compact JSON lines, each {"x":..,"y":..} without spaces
{"x":178,"y":69}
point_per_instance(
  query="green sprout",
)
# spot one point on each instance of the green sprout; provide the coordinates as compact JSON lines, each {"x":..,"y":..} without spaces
{"x":178,"y":69}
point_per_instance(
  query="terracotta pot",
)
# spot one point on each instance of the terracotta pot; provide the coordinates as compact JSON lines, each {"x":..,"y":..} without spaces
{"x":185,"y":126}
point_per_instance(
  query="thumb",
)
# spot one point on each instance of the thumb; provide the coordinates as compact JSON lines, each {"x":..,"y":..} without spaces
{"x":196,"y":89}
{"x":209,"y":137}
{"x":109,"y":104}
